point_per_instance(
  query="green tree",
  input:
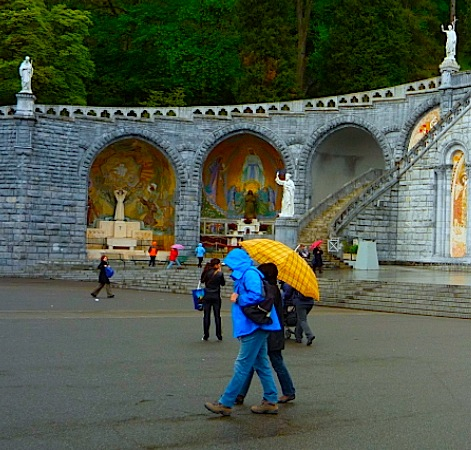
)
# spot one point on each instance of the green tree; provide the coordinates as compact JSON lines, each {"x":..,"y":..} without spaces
{"x":367,"y":44}
{"x":267,"y":50}
{"x":53,"y":38}
{"x":161,"y":47}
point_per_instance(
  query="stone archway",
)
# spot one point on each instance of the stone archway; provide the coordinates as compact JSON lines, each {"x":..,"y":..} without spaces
{"x":345,"y":154}
{"x":131,"y":198}
{"x":238,"y":189}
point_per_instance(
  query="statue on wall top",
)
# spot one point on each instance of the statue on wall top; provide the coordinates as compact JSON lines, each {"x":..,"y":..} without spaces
{"x":120,"y":195}
{"x":26,"y":73}
{"x":451,"y":39}
{"x":287,"y":202}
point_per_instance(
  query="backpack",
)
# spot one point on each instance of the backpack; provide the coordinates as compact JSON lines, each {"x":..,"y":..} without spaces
{"x":260,"y":312}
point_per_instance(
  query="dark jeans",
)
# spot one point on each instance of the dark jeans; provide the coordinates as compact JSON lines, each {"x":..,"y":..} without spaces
{"x":216,"y":306}
{"x":152,"y":261}
{"x":200,"y":261}
{"x":284,"y":377}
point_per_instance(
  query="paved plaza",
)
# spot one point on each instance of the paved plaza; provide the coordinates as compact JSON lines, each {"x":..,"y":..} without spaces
{"x":132,"y":373}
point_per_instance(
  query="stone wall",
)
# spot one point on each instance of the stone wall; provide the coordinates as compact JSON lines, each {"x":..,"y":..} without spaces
{"x":45,"y":161}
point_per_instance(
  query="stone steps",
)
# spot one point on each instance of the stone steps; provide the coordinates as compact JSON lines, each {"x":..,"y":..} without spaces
{"x":319,"y":228}
{"x":396,"y":297}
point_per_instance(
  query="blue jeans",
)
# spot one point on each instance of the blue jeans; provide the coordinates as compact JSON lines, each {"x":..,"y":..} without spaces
{"x":302,"y":325}
{"x":171,"y":263}
{"x":252,"y":356}
{"x":284,"y":377}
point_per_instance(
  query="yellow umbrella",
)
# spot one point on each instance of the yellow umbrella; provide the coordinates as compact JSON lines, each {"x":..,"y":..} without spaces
{"x":292,"y":269}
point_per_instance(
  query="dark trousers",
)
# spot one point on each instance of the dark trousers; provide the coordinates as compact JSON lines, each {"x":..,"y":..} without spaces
{"x":200,"y":261}
{"x":152,"y":261}
{"x":100,"y":287}
{"x":216,"y":306}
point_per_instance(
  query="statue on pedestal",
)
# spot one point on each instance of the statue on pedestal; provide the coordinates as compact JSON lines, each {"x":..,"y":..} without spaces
{"x":120,"y":195}
{"x":26,"y":73}
{"x":287,"y":202}
{"x":451,"y":39}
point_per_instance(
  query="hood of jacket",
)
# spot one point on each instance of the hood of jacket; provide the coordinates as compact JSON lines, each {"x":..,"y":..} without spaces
{"x":239,"y":261}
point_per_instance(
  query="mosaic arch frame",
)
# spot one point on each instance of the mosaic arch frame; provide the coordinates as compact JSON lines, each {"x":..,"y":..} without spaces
{"x":145,"y":174}
{"x":458,"y":204}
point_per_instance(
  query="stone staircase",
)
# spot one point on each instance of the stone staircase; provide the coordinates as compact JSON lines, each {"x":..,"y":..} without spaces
{"x":398,"y":297}
{"x":319,"y":226}
{"x":389,"y":178}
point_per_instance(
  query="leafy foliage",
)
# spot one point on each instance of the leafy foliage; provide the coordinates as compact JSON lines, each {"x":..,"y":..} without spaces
{"x":204,"y":52}
{"x":53,"y":38}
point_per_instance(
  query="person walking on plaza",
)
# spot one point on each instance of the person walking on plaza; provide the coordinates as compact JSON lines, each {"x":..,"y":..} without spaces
{"x":200,"y":251}
{"x":317,"y":258}
{"x":276,"y":343}
{"x":173,"y":258}
{"x":252,"y":337}
{"x":303,"y":307}
{"x":153,"y":249}
{"x":103,"y":279}
{"x":213,"y":279}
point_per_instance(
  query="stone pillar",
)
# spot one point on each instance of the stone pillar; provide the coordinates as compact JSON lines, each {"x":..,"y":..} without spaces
{"x":447,"y":68}
{"x":20,"y":239}
{"x":25,"y":105}
{"x":286,"y":231}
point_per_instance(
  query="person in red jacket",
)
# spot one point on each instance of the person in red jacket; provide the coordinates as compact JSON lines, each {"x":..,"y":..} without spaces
{"x":173,"y":258}
{"x":153,"y":249}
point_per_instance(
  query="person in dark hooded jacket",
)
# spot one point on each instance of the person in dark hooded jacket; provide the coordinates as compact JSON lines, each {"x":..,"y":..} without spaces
{"x":213,"y":278}
{"x":276,"y":343}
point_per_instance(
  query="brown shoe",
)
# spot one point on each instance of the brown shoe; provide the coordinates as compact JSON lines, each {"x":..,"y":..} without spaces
{"x":218,"y":408}
{"x":286,"y":398}
{"x":265,"y":408}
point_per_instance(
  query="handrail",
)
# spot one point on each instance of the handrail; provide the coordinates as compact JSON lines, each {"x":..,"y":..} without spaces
{"x":346,"y":189}
{"x":390,"y":178}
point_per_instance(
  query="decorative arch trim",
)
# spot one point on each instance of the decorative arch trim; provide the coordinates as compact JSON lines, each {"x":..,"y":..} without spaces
{"x":341,"y":122}
{"x":224,"y":133}
{"x":128,"y":133}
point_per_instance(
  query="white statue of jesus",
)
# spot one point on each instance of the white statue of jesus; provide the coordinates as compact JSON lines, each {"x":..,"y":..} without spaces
{"x":451,"y":39}
{"x":287,"y":202}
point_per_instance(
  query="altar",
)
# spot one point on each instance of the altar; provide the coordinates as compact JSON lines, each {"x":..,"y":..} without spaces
{"x":119,"y":234}
{"x":248,"y":227}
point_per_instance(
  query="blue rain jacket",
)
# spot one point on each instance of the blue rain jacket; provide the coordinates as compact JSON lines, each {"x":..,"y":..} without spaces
{"x":248,"y":284}
{"x":200,"y":251}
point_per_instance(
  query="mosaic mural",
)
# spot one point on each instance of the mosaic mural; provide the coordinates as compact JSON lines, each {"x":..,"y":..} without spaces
{"x":459,"y":206}
{"x":239,"y":179}
{"x":133,"y":175}
{"x":424,"y":125}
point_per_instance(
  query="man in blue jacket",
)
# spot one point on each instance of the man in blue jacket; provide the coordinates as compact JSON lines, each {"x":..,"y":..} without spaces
{"x":248,"y":290}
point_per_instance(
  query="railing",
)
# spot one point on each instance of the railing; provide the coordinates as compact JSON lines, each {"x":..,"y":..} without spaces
{"x":225,"y":112}
{"x":390,"y":178}
{"x":346,"y":189}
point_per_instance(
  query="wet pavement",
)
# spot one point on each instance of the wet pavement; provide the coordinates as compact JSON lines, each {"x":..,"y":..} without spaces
{"x":132,"y":373}
{"x":453,"y":275}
